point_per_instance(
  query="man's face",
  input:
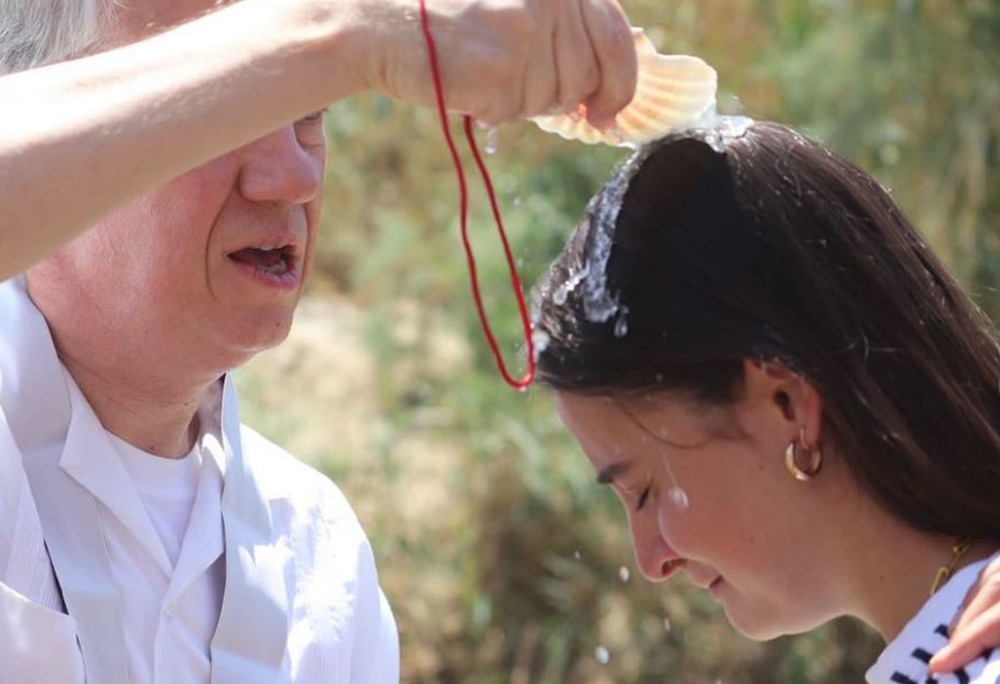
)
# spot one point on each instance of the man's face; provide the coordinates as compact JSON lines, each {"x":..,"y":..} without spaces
{"x":210,"y":265}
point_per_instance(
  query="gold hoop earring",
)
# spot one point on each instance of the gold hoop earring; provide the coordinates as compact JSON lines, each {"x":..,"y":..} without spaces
{"x":812,"y":468}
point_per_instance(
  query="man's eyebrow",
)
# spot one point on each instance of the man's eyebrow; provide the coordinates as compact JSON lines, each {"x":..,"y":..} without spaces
{"x":607,"y":474}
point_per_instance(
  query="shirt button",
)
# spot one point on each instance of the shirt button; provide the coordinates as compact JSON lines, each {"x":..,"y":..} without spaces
{"x":168,"y":612}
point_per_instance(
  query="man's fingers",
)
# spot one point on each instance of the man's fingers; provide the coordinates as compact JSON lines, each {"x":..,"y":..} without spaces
{"x":507,"y":59}
{"x":540,"y":78}
{"x":614,"y":49}
{"x":579,"y":73}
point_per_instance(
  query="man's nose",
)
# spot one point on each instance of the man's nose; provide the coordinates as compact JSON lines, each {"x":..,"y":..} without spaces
{"x":652,"y":553}
{"x":277,"y":169}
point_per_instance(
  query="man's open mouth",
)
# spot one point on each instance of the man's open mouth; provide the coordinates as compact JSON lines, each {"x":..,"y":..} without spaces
{"x":268,"y":258}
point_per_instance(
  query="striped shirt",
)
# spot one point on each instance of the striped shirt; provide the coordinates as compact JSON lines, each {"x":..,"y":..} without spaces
{"x":904,"y":661}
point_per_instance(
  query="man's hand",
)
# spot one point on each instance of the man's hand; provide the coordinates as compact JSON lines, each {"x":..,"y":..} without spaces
{"x":978,"y":626}
{"x":503,"y":60}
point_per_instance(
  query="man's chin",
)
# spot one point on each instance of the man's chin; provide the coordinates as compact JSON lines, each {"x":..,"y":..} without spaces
{"x":258,"y":335}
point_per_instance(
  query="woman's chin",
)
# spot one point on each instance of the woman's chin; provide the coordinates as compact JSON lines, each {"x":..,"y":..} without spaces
{"x":760,"y":627}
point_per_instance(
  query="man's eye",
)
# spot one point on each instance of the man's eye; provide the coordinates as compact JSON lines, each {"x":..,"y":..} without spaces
{"x":315,"y":117}
{"x":310,"y":130}
{"x":643,"y":498}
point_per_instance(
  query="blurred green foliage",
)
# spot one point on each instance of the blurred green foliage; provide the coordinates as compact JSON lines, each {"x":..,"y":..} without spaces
{"x":513,"y":571}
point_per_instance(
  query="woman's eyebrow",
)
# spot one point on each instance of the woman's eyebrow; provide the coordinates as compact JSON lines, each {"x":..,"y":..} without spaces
{"x":607,"y":474}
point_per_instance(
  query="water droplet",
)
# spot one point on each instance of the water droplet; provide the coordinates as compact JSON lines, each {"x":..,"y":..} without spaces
{"x":624,"y":574}
{"x":576,"y":554}
{"x":621,"y":324}
{"x":679,"y":498}
{"x":562,"y":293}
{"x":725,"y":129}
{"x":492,"y":139}
{"x":603,"y":655}
{"x":540,"y":339}
{"x":666,"y":625}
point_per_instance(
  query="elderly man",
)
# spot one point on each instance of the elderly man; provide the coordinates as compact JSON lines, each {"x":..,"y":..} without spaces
{"x":145,"y":535}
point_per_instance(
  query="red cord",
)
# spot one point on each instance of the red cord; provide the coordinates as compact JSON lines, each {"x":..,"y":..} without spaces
{"x":515,"y":280}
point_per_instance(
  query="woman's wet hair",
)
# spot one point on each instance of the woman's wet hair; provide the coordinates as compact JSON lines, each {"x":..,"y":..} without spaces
{"x":766,"y":245}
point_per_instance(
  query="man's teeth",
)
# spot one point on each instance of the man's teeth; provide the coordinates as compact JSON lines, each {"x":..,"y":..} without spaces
{"x":277,"y":268}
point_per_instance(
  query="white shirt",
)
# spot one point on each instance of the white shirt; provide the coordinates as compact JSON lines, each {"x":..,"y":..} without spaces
{"x":904,"y":661}
{"x":171,"y":568}
{"x":301,"y":603}
{"x":167,"y":488}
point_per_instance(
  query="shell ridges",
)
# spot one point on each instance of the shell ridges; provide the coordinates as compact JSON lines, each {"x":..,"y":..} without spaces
{"x":672,"y":92}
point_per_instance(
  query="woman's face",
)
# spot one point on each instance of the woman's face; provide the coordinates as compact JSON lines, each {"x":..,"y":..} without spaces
{"x":706,"y":492}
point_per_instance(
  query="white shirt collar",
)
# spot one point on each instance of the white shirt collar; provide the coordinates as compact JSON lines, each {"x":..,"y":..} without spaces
{"x":926,"y":633}
{"x":253,"y":625}
{"x":33,"y":391}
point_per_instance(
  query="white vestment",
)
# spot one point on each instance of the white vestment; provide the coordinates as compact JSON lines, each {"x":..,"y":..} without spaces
{"x":301,"y":602}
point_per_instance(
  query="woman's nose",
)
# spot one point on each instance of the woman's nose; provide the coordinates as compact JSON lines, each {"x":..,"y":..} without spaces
{"x":277,"y":169}
{"x":652,"y":553}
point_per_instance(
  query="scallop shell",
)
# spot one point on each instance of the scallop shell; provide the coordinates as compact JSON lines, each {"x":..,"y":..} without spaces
{"x":672,"y":92}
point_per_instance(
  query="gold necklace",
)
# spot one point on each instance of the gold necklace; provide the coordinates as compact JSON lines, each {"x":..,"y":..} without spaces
{"x":945,"y":572}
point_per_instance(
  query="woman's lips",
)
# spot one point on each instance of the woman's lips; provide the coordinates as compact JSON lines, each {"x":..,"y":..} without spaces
{"x":713,"y":586}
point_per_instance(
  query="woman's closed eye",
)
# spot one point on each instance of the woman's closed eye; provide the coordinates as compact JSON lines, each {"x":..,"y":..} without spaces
{"x":643,"y":497}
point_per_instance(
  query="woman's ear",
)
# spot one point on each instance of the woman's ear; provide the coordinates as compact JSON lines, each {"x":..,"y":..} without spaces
{"x":789,"y":402}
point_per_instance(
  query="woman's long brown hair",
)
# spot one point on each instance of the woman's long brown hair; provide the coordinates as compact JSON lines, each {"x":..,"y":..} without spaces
{"x":776,"y":248}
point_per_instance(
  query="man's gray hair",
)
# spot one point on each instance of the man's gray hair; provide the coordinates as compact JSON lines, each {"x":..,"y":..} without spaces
{"x":38,"y":32}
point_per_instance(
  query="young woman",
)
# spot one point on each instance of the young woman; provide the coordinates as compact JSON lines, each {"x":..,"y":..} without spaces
{"x":795,"y":402}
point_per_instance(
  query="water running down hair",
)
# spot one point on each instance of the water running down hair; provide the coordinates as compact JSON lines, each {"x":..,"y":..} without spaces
{"x":773,"y":247}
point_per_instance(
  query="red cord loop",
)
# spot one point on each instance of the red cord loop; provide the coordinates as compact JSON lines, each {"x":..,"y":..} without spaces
{"x":515,"y":280}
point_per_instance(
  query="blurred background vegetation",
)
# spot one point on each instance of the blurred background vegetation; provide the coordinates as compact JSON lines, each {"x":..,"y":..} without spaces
{"x":503,"y":559}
